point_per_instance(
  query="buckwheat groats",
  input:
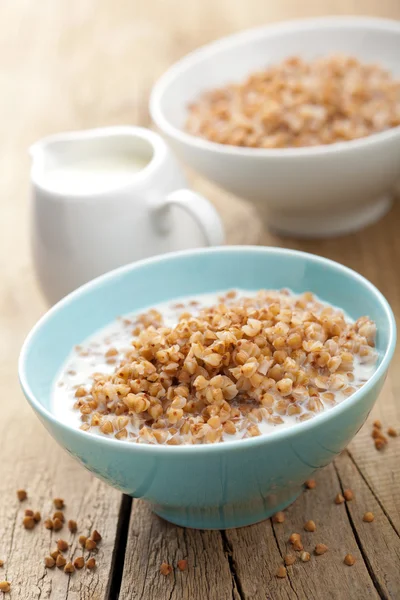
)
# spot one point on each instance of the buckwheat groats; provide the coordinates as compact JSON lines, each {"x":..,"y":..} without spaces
{"x":298,"y":103}
{"x":215,"y":368}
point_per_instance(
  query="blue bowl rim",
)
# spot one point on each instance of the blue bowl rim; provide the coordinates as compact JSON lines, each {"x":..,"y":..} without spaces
{"x":279,"y":434}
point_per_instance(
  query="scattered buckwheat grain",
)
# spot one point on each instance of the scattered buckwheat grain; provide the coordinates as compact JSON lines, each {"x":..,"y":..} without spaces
{"x":368,"y":517}
{"x":90,"y":544}
{"x":5,"y":586}
{"x":49,"y":562}
{"x":61,"y":561}
{"x":62,"y":545}
{"x":59,"y":515}
{"x":55,"y":553}
{"x":281,"y":572}
{"x":72,"y":526}
{"x":339,"y":499}
{"x":69,"y":568}
{"x":380,"y":443}
{"x":279,"y":517}
{"x":348,"y":495}
{"x":29,"y":512}
{"x":182,"y":564}
{"x":349,"y":560}
{"x":58,"y":503}
{"x":297,"y":545}
{"x":376,"y":433}
{"x":320,"y":549}
{"x":1,"y":563}
{"x":165,"y":569}
{"x":79,"y":562}
{"x":311,"y":484}
{"x":49,"y":524}
{"x":37,"y":516}
{"x":392,"y":432}
{"x":377,"y":424}
{"x":295,"y":540}
{"x":57,"y":524}
{"x":290,"y":559}
{"x":91,"y":563}
{"x":28,"y":522}
{"x":82,"y":540}
{"x":22,"y":495}
{"x":310,"y":526}
{"x":96,"y":536}
{"x":305,"y":556}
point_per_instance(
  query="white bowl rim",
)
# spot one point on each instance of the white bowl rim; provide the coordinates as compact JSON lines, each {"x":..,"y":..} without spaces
{"x":196,"y":56}
{"x":277,"y":435}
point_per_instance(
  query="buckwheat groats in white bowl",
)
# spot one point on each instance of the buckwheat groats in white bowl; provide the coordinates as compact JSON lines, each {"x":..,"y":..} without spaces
{"x":313,"y":141}
{"x":298,"y":103}
{"x":215,"y":367}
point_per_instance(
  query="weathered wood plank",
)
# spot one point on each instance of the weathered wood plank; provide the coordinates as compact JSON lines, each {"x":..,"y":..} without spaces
{"x":326,"y":574}
{"x":30,"y":459}
{"x":255,"y":558}
{"x":255,"y":552}
{"x":380,"y":470}
{"x":46,"y":472}
{"x":379,"y":542}
{"x":153,"y":541}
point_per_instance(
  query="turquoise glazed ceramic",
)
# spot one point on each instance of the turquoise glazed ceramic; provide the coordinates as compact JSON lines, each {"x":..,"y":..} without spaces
{"x":209,"y":486}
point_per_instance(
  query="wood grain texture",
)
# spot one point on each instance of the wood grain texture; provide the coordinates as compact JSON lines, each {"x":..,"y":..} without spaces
{"x":322,"y":573}
{"x":379,"y":542}
{"x":153,"y":541}
{"x":45,"y":472}
{"x":76,"y":64}
{"x":254,"y":553}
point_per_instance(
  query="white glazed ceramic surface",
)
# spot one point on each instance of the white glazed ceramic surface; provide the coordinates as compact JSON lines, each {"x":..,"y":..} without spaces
{"x":77,"y":237}
{"x":312,"y":192}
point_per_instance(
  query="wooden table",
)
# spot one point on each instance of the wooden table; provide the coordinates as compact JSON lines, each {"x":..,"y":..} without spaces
{"x":71,"y":64}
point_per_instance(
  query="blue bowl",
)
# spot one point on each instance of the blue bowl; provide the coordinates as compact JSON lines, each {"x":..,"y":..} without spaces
{"x":219,"y":485}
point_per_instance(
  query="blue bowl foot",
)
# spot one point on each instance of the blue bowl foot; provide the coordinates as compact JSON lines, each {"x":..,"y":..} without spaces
{"x":228,"y":516}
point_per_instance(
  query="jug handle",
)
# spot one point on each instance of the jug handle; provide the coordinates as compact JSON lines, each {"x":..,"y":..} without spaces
{"x":202,"y":211}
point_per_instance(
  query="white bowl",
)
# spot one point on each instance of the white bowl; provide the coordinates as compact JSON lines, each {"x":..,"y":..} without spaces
{"x":314,"y":191}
